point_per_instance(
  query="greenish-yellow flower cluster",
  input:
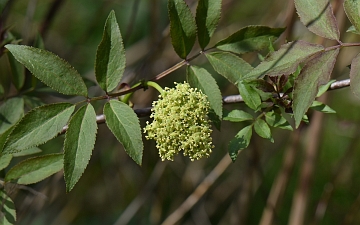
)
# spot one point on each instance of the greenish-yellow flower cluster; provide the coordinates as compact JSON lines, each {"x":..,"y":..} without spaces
{"x":181,"y":123}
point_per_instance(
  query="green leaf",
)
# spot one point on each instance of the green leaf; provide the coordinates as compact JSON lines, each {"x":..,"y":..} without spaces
{"x":4,"y":136}
{"x":18,"y":72}
{"x":50,"y":69}
{"x":241,"y":141}
{"x":262,"y":129}
{"x":315,"y":73}
{"x":182,"y":27}
{"x":276,"y":120}
{"x":249,"y":39}
{"x":110,"y":56}
{"x":229,"y":65}
{"x":5,"y":161}
{"x":10,"y":112}
{"x":250,"y":96}
{"x":124,"y":124}
{"x":35,"y":169}
{"x":30,"y":151}
{"x":324,"y":88}
{"x":79,"y":143}
{"x":208,"y":14}
{"x":237,"y":116}
{"x":8,"y":213}
{"x":318,"y":17}
{"x":285,"y":60}
{"x":352,"y":8}
{"x":38,"y":126}
{"x":353,"y":30}
{"x":355,"y":76}
{"x":200,"y":78}
{"x":321,"y":107}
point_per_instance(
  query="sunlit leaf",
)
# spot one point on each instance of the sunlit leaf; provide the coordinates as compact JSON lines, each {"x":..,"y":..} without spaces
{"x":276,"y":120}
{"x":249,"y":39}
{"x":79,"y":143}
{"x":10,"y":112}
{"x":50,"y":69}
{"x":315,"y":73}
{"x":229,"y":65}
{"x":249,"y":95}
{"x":207,"y":17}
{"x":285,"y":60}
{"x":8,"y":212}
{"x":35,"y":169}
{"x":321,"y":107}
{"x":237,"y":116}
{"x":182,"y":27}
{"x":110,"y":56}
{"x":352,"y":9}
{"x":318,"y":17}
{"x":17,"y":72}
{"x":200,"y":78}
{"x":241,"y":141}
{"x":38,"y":126}
{"x":262,"y":129}
{"x":124,"y":124}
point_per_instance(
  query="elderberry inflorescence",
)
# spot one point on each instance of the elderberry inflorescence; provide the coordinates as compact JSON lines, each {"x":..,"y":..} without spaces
{"x":181,"y":123}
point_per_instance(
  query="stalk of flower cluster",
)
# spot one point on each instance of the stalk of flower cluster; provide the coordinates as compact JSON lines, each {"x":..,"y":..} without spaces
{"x":180,"y":123}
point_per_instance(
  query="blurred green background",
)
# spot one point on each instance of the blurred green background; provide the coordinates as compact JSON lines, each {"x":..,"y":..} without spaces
{"x":114,"y":190}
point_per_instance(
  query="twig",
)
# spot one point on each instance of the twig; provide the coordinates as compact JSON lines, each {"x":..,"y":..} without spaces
{"x":279,"y":186}
{"x":198,"y":192}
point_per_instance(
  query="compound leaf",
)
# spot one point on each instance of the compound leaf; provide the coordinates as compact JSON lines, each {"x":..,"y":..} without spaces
{"x":110,"y":56}
{"x":38,"y":126}
{"x":229,"y":65}
{"x":182,"y":27}
{"x":124,"y":124}
{"x":314,"y":74}
{"x":285,"y":60}
{"x":208,"y":14}
{"x":10,"y":112}
{"x":200,"y":78}
{"x":237,"y":116}
{"x":79,"y":143}
{"x":241,"y":141}
{"x":50,"y":69}
{"x":249,"y":39}
{"x":318,"y":17}
{"x":35,"y":169}
{"x":8,"y":213}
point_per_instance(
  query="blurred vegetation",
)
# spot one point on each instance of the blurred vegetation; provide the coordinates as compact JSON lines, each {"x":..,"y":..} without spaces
{"x":114,"y":190}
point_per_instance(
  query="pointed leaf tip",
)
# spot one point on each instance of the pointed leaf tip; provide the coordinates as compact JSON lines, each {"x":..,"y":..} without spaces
{"x":124,"y":124}
{"x":79,"y":143}
{"x":38,"y":126}
{"x":50,"y":69}
{"x":110,"y":56}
